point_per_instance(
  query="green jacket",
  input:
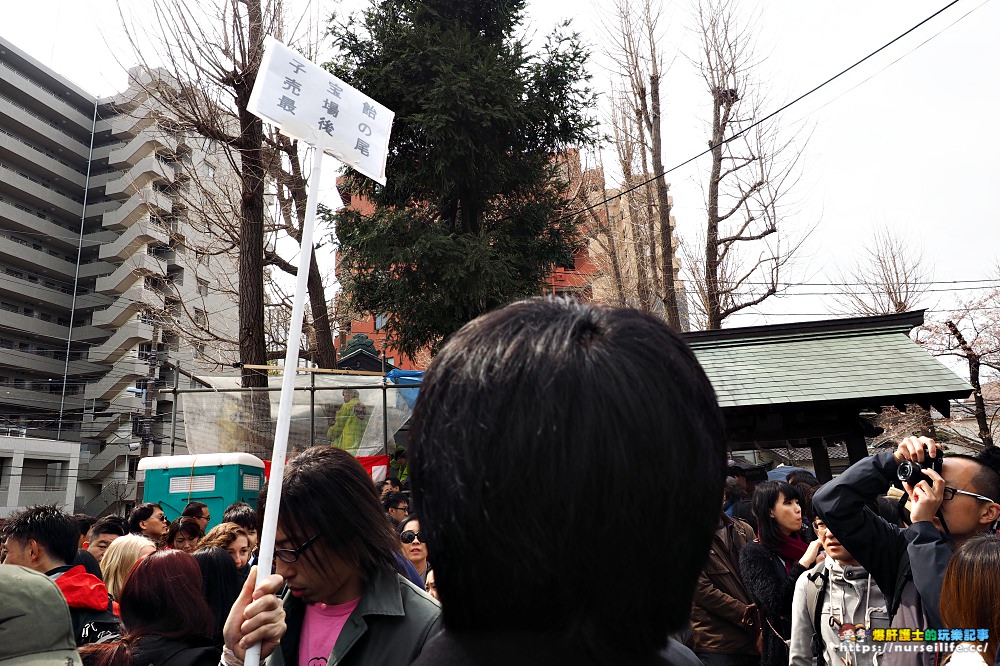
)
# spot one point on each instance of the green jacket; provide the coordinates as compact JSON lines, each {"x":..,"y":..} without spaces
{"x":349,"y":426}
{"x":390,"y":626}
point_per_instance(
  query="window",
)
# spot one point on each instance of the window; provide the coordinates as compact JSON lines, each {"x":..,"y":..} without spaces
{"x":380,"y":321}
{"x":202,"y":287}
{"x":200,"y":317}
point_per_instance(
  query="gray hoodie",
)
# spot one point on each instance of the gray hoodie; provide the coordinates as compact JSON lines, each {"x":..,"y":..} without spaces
{"x":850,"y":596}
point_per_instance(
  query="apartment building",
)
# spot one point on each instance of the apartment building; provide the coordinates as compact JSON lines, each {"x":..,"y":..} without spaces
{"x":103,"y":289}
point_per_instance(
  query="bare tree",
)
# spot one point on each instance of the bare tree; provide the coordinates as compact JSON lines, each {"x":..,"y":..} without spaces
{"x":637,"y":126}
{"x":972,"y":333}
{"x":890,"y":277}
{"x":210,"y":55}
{"x":752,"y":172}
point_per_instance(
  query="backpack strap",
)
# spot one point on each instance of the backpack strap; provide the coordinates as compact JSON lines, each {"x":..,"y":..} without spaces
{"x":819,"y":580}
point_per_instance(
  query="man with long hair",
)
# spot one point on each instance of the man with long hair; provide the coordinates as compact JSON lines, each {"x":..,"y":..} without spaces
{"x":347,"y":602}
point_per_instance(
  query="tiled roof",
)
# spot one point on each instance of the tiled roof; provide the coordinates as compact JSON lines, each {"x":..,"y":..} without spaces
{"x":816,"y":365}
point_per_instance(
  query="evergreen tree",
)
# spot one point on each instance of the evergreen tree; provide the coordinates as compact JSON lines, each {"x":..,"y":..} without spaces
{"x":473,"y":215}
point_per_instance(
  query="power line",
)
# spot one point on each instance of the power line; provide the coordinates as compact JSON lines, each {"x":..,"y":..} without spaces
{"x":762,"y":120}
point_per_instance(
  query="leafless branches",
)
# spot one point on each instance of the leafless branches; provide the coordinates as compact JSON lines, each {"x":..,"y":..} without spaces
{"x":890,"y":277}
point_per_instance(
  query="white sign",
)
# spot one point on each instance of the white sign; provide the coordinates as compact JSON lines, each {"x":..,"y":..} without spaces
{"x":308,"y":103}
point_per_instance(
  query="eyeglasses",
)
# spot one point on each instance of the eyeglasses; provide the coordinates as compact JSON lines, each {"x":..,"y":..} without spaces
{"x":819,"y":527}
{"x":291,"y":555}
{"x":949,"y":494}
{"x":409,"y":536}
{"x":163,"y":518}
{"x":401,"y":508}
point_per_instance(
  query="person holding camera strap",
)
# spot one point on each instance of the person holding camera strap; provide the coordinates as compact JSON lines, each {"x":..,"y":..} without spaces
{"x":951,"y":499}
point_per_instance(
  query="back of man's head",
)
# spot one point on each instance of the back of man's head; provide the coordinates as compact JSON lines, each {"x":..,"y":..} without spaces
{"x":527,"y":416}
{"x":51,"y":529}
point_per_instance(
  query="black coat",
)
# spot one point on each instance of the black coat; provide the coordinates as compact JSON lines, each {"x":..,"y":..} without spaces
{"x":772,"y":588}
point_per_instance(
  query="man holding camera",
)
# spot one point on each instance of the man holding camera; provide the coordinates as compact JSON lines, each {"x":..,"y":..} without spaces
{"x":951,"y":499}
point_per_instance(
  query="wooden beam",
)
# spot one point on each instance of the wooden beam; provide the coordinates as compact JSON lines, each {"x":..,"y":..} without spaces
{"x":821,"y":459}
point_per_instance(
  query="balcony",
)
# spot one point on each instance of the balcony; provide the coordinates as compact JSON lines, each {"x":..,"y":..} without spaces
{"x":139,"y":234}
{"x":13,"y":396}
{"x":145,"y":171}
{"x":135,"y":299}
{"x":46,"y":363}
{"x":123,"y":341}
{"x":142,"y":203}
{"x":124,"y":373}
{"x":128,"y":153}
{"x":125,"y":126}
{"x":135,"y":267}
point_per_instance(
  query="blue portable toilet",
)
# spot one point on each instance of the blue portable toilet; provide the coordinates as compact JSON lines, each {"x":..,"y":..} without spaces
{"x":217,"y":479}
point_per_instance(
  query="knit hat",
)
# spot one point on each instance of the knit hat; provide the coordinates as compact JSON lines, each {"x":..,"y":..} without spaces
{"x":35,"y":625}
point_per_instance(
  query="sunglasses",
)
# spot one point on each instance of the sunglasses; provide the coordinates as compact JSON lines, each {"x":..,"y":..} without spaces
{"x":409,"y":536}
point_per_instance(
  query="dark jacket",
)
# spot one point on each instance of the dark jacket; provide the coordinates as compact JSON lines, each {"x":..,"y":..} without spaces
{"x":90,"y":607}
{"x":159,"y":651}
{"x":720,"y":599}
{"x":533,"y":649}
{"x":390,"y":625}
{"x":908,"y":565}
{"x":772,"y":589}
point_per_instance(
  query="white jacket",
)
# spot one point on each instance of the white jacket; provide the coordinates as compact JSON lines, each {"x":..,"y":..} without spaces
{"x":851,"y":595}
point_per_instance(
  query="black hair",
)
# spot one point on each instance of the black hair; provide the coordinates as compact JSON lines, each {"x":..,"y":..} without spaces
{"x":525,"y":416}
{"x":108,"y":525}
{"x":394,"y":482}
{"x":409,"y":519}
{"x":393,"y":499}
{"x":54,"y":531}
{"x":139,"y":514}
{"x":194,"y":509}
{"x":804,"y":477}
{"x":185,"y":525}
{"x":765,"y":497}
{"x":351,"y":522}
{"x":735,"y":491}
{"x":88,"y":561}
{"x":222,"y":583}
{"x":242,"y":514}
{"x":987,"y":479}
{"x":83,"y":522}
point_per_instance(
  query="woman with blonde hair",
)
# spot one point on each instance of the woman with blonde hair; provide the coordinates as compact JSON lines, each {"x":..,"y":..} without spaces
{"x":970,"y":598}
{"x":231,"y":538}
{"x":119,"y":558}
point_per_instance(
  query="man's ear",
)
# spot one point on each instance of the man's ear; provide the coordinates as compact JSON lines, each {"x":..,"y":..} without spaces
{"x":86,"y":545}
{"x":990,"y":514}
{"x":35,"y":550}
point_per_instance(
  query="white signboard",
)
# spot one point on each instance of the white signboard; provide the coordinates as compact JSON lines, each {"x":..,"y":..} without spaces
{"x":308,"y":103}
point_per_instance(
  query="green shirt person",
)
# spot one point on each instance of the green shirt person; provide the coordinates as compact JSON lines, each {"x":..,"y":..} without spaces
{"x":349,"y":423}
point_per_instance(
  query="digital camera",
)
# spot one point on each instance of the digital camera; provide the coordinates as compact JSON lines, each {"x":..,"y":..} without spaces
{"x":912,"y":472}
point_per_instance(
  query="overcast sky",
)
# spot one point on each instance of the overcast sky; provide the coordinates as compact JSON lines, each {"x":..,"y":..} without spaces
{"x":906,"y":140}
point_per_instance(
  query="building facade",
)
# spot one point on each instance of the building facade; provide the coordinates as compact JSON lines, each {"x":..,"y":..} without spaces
{"x":101,"y":291}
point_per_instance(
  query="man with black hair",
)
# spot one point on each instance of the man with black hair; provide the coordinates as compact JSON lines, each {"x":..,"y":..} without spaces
{"x":525,"y":416}
{"x":909,"y":564}
{"x":149,"y":521}
{"x":44,"y":539}
{"x":102,"y":533}
{"x":397,"y":507}
{"x":200,"y":512}
{"x":83,"y":522}
{"x":245,"y":516}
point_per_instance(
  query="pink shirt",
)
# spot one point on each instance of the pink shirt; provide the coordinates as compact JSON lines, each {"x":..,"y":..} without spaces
{"x":320,"y":631}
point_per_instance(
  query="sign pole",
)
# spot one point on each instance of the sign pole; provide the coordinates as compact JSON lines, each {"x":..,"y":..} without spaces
{"x":266,"y":556}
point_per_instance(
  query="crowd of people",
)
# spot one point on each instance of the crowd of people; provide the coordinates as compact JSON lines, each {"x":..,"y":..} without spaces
{"x":565,"y":500}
